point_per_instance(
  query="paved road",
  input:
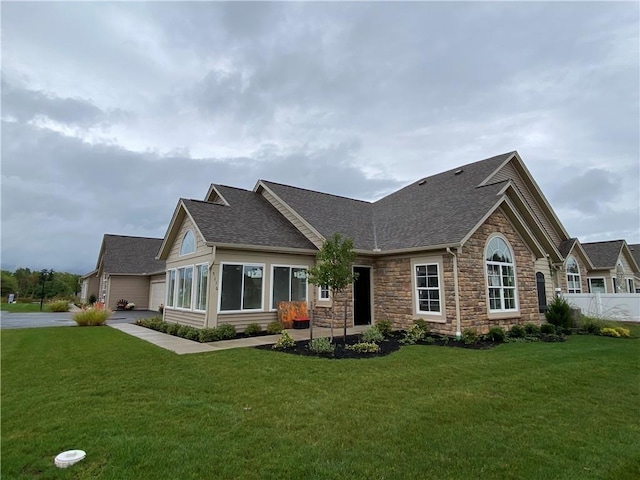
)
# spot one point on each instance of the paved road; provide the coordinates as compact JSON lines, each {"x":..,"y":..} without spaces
{"x":49,"y":319}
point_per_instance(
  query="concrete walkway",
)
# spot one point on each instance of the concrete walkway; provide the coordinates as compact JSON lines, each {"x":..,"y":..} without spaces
{"x":183,"y":346}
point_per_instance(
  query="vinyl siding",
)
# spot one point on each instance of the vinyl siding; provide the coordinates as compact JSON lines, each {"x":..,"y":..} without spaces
{"x":508,"y":172}
{"x":542,"y":265}
{"x":131,"y":288}
{"x":184,"y":317}
{"x":92,"y":287}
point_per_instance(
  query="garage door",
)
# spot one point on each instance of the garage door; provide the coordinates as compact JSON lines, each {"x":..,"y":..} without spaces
{"x":156,"y":295}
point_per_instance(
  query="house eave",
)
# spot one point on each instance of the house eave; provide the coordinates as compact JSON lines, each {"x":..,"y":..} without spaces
{"x":263,"y":248}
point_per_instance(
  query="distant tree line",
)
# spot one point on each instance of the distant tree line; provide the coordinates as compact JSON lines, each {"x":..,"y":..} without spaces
{"x":27,"y":284}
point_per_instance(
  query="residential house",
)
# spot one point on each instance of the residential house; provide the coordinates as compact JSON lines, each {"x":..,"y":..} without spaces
{"x":127,"y":269}
{"x":475,"y":246}
{"x":614,"y":267}
{"x":635,"y":251}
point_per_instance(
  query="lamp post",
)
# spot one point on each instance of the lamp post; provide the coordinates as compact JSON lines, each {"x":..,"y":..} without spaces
{"x":44,"y":276}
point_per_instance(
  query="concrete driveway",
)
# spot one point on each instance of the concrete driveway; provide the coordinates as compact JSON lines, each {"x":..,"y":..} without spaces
{"x":49,"y":319}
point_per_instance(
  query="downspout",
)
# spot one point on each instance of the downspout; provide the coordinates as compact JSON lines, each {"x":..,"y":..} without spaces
{"x":457,"y":297}
{"x":209,"y":287}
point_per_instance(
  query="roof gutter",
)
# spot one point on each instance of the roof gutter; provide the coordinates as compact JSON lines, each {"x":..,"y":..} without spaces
{"x":456,"y":295}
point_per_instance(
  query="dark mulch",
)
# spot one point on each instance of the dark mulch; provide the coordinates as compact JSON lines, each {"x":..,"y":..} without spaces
{"x":392,"y":344}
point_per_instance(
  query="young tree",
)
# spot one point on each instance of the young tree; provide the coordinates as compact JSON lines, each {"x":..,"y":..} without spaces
{"x":334,"y":269}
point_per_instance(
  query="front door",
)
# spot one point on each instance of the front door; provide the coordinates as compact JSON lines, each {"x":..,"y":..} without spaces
{"x":542,"y":294}
{"x":362,"y":296}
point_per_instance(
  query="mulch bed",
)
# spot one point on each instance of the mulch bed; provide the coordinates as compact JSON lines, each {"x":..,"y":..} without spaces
{"x":392,"y":344}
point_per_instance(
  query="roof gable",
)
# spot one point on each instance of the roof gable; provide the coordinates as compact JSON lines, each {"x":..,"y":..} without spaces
{"x":604,"y":255}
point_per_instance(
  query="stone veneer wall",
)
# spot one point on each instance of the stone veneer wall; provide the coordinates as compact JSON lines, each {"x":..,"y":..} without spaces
{"x":473,"y":283}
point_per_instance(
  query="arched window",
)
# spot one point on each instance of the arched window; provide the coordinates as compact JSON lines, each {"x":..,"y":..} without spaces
{"x":573,"y":276}
{"x":501,"y":276}
{"x":188,"y":244}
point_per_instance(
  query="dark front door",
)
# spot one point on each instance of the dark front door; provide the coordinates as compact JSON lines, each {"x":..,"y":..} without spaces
{"x":542,"y":294}
{"x":362,"y":296}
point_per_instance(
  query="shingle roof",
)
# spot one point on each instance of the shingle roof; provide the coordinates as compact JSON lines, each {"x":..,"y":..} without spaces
{"x":635,"y":252}
{"x":604,"y":254}
{"x":248,"y":220}
{"x":131,"y":255}
{"x":330,"y":214}
{"x":565,"y":246}
{"x":441,"y":209}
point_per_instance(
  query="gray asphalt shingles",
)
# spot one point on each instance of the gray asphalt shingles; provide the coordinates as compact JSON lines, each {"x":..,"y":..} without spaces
{"x":604,"y":254}
{"x":131,"y":255}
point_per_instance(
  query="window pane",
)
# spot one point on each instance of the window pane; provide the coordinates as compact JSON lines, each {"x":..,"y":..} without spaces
{"x":171,"y":287}
{"x":298,"y":284}
{"x":231,"y":295}
{"x":187,"y":284}
{"x":421,"y":270}
{"x":280,"y":285}
{"x":201,"y":289}
{"x":432,"y":270}
{"x":434,"y":306}
{"x":252,"y":294}
{"x":188,"y":243}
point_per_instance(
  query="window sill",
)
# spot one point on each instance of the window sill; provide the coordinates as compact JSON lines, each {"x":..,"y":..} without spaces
{"x":431,"y":317}
{"x":232,"y":312}
{"x":503,"y":314}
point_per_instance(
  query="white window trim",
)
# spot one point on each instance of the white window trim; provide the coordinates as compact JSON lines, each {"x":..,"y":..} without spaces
{"x":250,"y":310}
{"x":486,"y":262}
{"x":273,"y":267}
{"x":320,"y":298}
{"x":436,"y":317}
{"x":417,"y":289}
{"x":631,"y":285}
{"x":166,"y":293}
{"x":604,"y":281}
{"x":196,"y":286}
{"x":180,"y":254}
{"x":175,"y":304}
{"x":579,"y":275}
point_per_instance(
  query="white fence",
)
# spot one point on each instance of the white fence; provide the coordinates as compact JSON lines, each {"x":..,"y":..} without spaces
{"x":618,"y":306}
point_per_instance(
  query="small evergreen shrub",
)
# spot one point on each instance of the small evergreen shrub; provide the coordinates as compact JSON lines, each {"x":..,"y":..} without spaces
{"x":531,"y":329}
{"x":384,"y":327}
{"x":469,"y":336}
{"x":517,"y":331}
{"x":372,"y":335}
{"x":321,"y":345}
{"x":496,"y":334}
{"x":253,"y":329}
{"x":591,"y":325}
{"x":364,"y":347}
{"x":226,"y":331}
{"x":422,"y":324}
{"x":284,"y":342}
{"x":208,"y":335}
{"x":192,"y":334}
{"x":59,"y":306}
{"x":172,"y":328}
{"x":548,"y":329}
{"x":91,"y":317}
{"x":559,"y":312}
{"x":182,"y":331}
{"x":92,"y":299}
{"x":274,"y":327}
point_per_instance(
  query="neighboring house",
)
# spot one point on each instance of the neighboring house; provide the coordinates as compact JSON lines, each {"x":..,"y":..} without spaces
{"x":127,"y":268}
{"x":614,"y":267}
{"x":475,"y":246}
{"x":635,"y":251}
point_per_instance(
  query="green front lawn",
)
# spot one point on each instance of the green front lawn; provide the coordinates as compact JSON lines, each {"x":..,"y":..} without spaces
{"x":23,"y":307}
{"x":522,"y":410}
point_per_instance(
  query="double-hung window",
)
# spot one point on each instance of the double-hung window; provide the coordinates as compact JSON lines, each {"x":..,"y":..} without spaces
{"x":185,"y":283}
{"x":202,"y":277}
{"x":289,"y":284}
{"x":573,"y":276}
{"x":427,"y":288}
{"x":501,"y":276}
{"x":323,"y":293}
{"x":242,"y":286}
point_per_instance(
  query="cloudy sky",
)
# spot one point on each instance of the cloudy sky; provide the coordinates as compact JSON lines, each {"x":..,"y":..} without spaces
{"x":113,"y":111}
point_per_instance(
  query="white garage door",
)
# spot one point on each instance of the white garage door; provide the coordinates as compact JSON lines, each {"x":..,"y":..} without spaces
{"x":156,"y":295}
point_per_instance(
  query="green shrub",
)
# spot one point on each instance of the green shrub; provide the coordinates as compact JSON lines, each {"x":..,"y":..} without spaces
{"x":284,"y":342}
{"x":413,"y":335}
{"x":193,"y":334}
{"x":548,"y":329}
{"x":591,"y":325}
{"x":91,"y":317}
{"x":364,"y":347}
{"x":496,"y":334}
{"x":321,"y":345}
{"x":59,"y":306}
{"x":372,"y":335}
{"x":274,"y":327}
{"x":172,"y":328}
{"x":517,"y":331}
{"x":226,"y":331}
{"x":624,"y":332}
{"x":384,"y":327}
{"x":92,"y":299}
{"x":253,"y":329}
{"x":469,"y":336}
{"x":182,"y":331}
{"x":422,"y":324}
{"x":559,"y":312}
{"x":531,"y":329}
{"x":208,"y":335}
{"x":609,"y":332}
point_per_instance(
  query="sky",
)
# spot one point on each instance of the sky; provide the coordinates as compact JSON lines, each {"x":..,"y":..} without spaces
{"x":111,"y":112}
